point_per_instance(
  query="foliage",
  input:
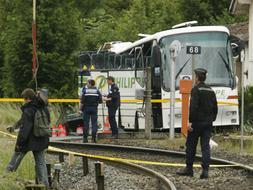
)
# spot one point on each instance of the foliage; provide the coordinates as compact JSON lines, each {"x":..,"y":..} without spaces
{"x":59,"y":34}
{"x":9,"y":114}
{"x":248,"y":105}
{"x":208,"y":12}
{"x":64,"y":28}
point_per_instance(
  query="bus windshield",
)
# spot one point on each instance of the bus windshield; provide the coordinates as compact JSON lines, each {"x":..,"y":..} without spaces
{"x":213,"y":53}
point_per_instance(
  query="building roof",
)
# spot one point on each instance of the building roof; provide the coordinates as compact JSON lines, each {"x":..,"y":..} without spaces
{"x":240,"y":30}
{"x":239,"y":6}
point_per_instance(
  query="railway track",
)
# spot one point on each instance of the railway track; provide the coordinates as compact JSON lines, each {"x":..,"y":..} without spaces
{"x":231,"y":175}
{"x":161,"y":182}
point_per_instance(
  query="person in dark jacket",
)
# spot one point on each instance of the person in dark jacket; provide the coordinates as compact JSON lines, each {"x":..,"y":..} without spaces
{"x":203,"y":111}
{"x":91,"y":97}
{"x":26,"y":141}
{"x":112,"y":103}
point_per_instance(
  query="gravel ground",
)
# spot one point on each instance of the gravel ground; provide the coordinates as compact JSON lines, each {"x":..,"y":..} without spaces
{"x":220,"y":178}
{"x":219,"y":152}
{"x":225,"y":178}
{"x":115,"y":178}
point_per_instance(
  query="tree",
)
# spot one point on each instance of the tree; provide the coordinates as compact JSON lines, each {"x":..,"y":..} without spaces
{"x":129,"y":19}
{"x":208,"y":12}
{"x":58,"y":38}
{"x":67,"y":27}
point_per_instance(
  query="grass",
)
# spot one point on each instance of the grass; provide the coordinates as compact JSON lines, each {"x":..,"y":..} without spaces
{"x":9,"y":114}
{"x":25,"y":172}
{"x":233,"y":144}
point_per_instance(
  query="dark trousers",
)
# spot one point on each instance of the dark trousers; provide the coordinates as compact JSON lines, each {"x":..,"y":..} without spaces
{"x":112,"y":120}
{"x":90,"y":112}
{"x":202,"y":130}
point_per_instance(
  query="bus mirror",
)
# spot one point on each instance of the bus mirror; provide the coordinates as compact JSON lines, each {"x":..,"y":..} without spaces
{"x":235,"y":50}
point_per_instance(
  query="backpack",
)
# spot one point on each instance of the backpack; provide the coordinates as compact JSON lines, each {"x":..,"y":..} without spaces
{"x":41,"y":124}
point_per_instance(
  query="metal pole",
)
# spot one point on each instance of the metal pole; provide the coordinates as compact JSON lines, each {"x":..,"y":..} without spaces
{"x":172,"y":92}
{"x":49,"y":174}
{"x":34,"y":10}
{"x":148,"y":105}
{"x":85,"y":166}
{"x":193,"y":68}
{"x":61,"y":157}
{"x":242,"y":100}
{"x":99,"y":169}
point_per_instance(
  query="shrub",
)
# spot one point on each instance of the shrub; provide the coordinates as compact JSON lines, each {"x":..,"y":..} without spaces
{"x":248,"y":105}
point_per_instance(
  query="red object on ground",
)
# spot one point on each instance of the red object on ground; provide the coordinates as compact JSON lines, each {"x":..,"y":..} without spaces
{"x":62,"y":131}
{"x":106,"y":129}
{"x":54,"y":131}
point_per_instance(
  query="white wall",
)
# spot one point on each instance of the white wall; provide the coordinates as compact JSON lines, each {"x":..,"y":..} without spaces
{"x":248,"y":66}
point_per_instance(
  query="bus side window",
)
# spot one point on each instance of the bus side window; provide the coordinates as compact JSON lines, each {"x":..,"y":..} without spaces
{"x":98,"y":60}
{"x":117,"y":62}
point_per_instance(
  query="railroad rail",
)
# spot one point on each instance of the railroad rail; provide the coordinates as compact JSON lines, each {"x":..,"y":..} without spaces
{"x":224,"y":174}
{"x":163,"y":183}
{"x":171,"y":153}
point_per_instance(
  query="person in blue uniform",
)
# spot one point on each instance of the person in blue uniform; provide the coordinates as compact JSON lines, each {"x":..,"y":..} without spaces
{"x":113,"y":103}
{"x":203,"y":111}
{"x":91,"y":97}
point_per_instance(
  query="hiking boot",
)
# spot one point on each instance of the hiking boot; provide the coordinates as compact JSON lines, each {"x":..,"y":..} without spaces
{"x":204,"y":174}
{"x":186,"y":172}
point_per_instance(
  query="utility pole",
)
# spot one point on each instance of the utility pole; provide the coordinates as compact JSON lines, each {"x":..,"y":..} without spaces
{"x":148,"y":105}
{"x":34,"y":63}
{"x":242,"y":99}
{"x":175,"y":48}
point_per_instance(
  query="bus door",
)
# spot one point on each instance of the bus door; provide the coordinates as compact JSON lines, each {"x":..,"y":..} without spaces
{"x":144,"y":57}
{"x":156,"y":88}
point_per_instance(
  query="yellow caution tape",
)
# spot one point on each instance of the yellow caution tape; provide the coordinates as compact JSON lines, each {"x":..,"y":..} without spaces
{"x":123,"y":159}
{"x":130,"y":160}
{"x":8,"y":134}
{"x":228,"y":103}
{"x":11,"y":100}
{"x":122,"y":101}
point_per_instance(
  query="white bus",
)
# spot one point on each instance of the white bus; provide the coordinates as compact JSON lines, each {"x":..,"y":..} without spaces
{"x":208,"y":47}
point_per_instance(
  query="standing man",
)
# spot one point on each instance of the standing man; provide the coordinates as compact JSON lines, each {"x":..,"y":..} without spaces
{"x":203,"y":111}
{"x":91,"y":97}
{"x":112,"y":103}
{"x":27,"y":141}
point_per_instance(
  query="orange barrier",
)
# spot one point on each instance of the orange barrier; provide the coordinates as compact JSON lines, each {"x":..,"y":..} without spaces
{"x":106,"y":129}
{"x":62,"y":131}
{"x":185,"y":90}
{"x":54,"y":131}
